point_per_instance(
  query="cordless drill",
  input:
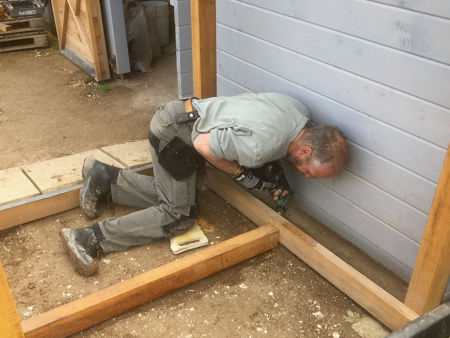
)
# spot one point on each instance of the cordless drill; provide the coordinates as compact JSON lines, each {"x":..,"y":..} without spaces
{"x":272,"y":172}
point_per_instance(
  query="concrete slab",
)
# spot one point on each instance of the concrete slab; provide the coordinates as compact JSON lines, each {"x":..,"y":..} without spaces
{"x":131,"y":154}
{"x":63,"y":172}
{"x":15,"y":186}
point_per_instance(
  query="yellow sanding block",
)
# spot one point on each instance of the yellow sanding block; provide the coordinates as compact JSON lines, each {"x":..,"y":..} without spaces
{"x":192,"y":239}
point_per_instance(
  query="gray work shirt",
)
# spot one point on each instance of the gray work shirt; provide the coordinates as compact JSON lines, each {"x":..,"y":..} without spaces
{"x":251,"y":129}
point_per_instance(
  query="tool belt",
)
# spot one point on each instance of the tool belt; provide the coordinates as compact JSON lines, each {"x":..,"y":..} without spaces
{"x":190,"y":114}
{"x":178,"y":158}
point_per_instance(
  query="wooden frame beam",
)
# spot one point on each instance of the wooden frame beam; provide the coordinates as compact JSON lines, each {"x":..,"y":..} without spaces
{"x":97,"y":307}
{"x":45,"y":205}
{"x":432,"y":267}
{"x":382,"y":305}
{"x":203,"y":28}
{"x":9,"y":320}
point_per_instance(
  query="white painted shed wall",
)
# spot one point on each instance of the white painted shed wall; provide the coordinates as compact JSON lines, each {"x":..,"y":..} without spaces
{"x":379,"y":70}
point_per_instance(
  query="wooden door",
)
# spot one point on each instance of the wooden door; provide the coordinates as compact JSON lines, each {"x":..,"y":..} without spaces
{"x":81,"y":37}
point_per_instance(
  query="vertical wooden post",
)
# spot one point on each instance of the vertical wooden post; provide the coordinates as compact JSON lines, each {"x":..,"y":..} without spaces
{"x":203,"y":27}
{"x":9,"y":320}
{"x":432,"y":266}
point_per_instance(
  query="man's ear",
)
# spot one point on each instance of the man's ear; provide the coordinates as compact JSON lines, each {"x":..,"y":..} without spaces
{"x":305,"y":151}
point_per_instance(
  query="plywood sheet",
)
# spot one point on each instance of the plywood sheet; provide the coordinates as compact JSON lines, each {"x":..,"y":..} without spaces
{"x":130,"y":154}
{"x":64,"y":171}
{"x":15,"y":186}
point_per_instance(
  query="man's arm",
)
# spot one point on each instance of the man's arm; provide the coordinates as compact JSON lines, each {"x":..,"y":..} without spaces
{"x":201,"y":144}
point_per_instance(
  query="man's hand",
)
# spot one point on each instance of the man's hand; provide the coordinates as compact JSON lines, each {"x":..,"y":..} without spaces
{"x":250,"y":181}
{"x":279,"y":193}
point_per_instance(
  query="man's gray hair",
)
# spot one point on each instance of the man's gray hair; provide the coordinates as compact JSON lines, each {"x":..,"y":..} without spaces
{"x":327,"y":143}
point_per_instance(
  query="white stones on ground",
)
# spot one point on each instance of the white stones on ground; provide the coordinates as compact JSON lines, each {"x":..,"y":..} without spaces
{"x":335,"y":334}
{"x":319,"y":315}
{"x":243,"y":286}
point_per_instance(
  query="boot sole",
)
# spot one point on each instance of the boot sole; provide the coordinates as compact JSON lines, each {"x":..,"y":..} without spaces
{"x":81,"y":268}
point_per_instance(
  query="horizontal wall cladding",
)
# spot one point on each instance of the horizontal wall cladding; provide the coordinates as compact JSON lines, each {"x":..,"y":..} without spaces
{"x":406,"y":30}
{"x":403,"y":71}
{"x":439,"y":8}
{"x":377,"y":71}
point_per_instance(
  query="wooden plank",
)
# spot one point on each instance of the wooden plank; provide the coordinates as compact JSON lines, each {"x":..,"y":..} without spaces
{"x":440,"y":8}
{"x":404,"y":72}
{"x":383,"y":306}
{"x":398,"y":214}
{"x":77,"y":7}
{"x":5,"y":27}
{"x":382,"y":234}
{"x":130,"y":154}
{"x":98,"y":45}
{"x":9,"y":320}
{"x":415,"y":116}
{"x":47,"y":204}
{"x":63,"y":172}
{"x":95,"y":308}
{"x":412,"y":32}
{"x":432,"y":267}
{"x":81,"y":29}
{"x":65,"y":19}
{"x":39,"y":207}
{"x":184,"y":61}
{"x":184,"y":38}
{"x":367,"y":245}
{"x":15,"y":186}
{"x":203,"y":26}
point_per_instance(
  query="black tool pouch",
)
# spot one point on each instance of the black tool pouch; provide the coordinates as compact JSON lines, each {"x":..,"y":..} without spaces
{"x":179,"y":159}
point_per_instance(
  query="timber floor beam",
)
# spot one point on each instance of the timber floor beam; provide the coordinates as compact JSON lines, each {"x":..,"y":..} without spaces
{"x":9,"y":320}
{"x":46,"y":188}
{"x":95,"y":308}
{"x":382,"y":305}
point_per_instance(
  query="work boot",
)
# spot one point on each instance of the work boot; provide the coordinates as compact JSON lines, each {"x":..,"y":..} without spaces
{"x":97,"y":179}
{"x":178,"y":227}
{"x":83,"y":248}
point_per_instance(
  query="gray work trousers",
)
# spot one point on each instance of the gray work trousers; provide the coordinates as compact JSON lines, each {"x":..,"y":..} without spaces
{"x":163,"y":198}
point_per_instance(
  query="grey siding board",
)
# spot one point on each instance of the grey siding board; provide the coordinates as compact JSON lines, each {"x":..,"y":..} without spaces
{"x":185,"y":85}
{"x":183,"y":42}
{"x":377,"y":170}
{"x":229,"y":88}
{"x":386,"y":238}
{"x":412,"y":32}
{"x":405,"y":72}
{"x":439,"y":8}
{"x":392,"y":178}
{"x":390,"y":262}
{"x":184,"y":38}
{"x":184,"y":61}
{"x":400,"y":147}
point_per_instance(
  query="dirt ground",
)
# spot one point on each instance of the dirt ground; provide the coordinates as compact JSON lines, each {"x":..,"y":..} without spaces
{"x":48,"y":108}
